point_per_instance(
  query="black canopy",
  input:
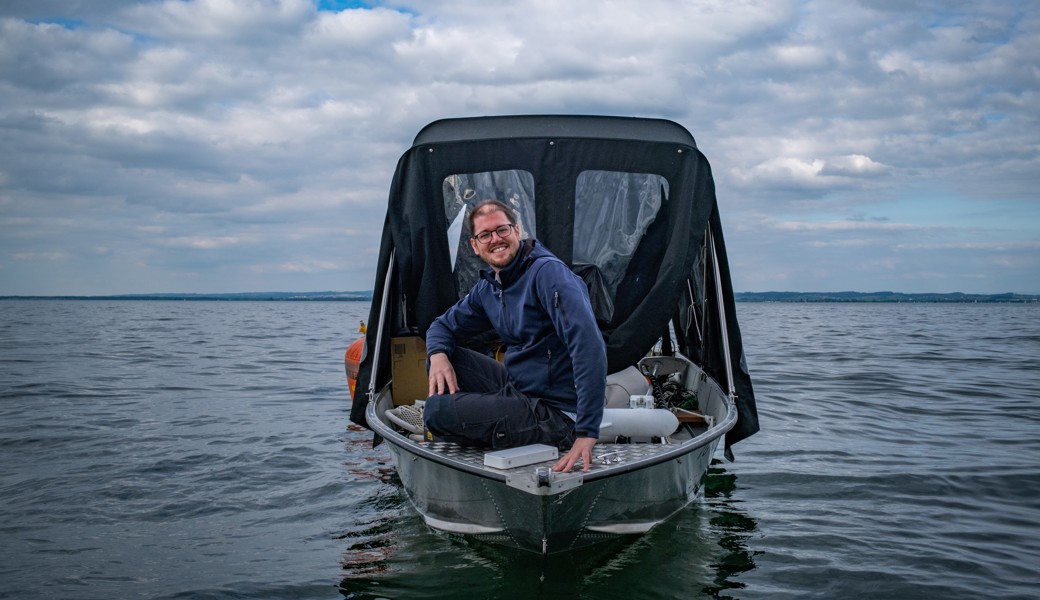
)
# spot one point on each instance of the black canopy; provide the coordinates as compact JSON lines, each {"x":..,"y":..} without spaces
{"x":628,"y":203}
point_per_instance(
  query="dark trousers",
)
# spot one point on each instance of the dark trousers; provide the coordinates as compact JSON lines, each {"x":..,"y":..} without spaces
{"x":488,"y":412}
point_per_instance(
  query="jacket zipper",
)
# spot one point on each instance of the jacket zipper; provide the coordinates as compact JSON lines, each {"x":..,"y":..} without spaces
{"x":502,"y":308}
{"x":548,"y":367}
{"x":556,"y":305}
{"x":563,"y":313}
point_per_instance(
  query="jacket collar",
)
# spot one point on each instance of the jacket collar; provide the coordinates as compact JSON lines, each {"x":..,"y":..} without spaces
{"x":513,"y":270}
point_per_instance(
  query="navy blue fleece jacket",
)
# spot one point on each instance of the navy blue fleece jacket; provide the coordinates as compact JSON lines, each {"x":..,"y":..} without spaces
{"x":541,"y":310}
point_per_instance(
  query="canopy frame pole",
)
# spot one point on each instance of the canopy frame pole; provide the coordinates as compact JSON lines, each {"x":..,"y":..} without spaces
{"x":380,"y":327}
{"x":720,"y":298}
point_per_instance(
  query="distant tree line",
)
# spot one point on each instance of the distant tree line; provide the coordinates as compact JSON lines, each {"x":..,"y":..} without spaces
{"x":365,"y":296}
{"x":880,"y":297}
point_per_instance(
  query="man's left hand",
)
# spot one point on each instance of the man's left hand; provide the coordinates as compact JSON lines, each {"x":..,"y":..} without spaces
{"x":582,"y":449}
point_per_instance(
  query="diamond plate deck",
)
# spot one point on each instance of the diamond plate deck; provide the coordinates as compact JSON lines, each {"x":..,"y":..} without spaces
{"x":604,"y":456}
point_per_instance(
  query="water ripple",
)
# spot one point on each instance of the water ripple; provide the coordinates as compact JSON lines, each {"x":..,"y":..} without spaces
{"x":202,"y":450}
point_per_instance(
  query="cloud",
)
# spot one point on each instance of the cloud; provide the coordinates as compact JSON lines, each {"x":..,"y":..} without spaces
{"x":37,"y":256}
{"x":811,"y":177}
{"x":262,"y":134}
{"x":203,"y":243}
{"x":310,"y":266}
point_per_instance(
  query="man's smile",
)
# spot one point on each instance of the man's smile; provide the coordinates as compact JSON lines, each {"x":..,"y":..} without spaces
{"x":500,"y":247}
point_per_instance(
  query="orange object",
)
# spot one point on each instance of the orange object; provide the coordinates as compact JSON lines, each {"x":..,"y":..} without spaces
{"x":351,"y":362}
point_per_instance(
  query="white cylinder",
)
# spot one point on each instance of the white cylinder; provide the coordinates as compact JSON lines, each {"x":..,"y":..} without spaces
{"x":638,"y":422}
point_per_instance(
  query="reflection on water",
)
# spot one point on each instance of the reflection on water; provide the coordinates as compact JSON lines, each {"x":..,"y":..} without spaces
{"x":370,"y":548}
{"x":734,"y":526}
{"x":391,"y":553}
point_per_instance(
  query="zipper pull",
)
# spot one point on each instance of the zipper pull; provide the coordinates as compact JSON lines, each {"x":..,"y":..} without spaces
{"x":556,"y":299}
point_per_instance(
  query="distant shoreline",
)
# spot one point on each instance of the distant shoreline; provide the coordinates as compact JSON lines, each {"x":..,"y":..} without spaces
{"x":885,"y":297}
{"x":239,"y":297}
{"x":366,"y":296}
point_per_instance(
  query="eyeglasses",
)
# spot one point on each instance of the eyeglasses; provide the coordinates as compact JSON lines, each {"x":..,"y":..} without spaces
{"x":503,"y":231}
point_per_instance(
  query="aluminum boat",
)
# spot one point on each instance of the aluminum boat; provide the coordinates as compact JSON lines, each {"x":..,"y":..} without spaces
{"x":629,"y":204}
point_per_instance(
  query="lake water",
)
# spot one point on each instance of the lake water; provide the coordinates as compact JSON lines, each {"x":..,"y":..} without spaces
{"x":202,"y":450}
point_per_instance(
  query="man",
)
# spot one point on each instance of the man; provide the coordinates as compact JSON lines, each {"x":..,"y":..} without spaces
{"x":552,"y":385}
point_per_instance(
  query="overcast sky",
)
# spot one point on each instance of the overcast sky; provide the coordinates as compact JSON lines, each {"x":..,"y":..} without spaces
{"x":248,"y":145}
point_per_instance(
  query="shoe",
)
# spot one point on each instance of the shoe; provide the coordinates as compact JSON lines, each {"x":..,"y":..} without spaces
{"x":408,"y":418}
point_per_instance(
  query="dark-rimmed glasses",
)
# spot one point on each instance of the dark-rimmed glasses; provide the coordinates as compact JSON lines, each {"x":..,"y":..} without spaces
{"x":502,"y":231}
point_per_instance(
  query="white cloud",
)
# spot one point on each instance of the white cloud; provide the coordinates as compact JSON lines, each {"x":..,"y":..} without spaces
{"x":309,"y":266}
{"x":202,"y":243}
{"x":44,"y":256}
{"x":853,"y":165}
{"x":267,"y":128}
{"x":842,"y":225}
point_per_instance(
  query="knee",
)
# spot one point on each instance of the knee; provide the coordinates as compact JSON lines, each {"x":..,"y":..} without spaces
{"x":436,"y":413}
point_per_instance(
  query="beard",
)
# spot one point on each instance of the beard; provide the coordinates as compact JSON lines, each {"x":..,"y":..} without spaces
{"x":498,"y":255}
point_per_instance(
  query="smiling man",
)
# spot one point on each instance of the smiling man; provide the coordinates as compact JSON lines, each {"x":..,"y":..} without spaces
{"x":550,"y":389}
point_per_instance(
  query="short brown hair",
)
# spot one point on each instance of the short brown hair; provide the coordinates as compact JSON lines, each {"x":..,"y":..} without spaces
{"x":490,"y":206}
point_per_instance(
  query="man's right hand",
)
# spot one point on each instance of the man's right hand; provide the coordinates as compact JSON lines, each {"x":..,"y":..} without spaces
{"x":442,"y":375}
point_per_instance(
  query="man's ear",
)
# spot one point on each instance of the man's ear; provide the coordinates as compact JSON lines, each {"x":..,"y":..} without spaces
{"x":473,"y":244}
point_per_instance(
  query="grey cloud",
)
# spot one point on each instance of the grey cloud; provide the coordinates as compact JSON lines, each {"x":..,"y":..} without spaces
{"x":250,"y":145}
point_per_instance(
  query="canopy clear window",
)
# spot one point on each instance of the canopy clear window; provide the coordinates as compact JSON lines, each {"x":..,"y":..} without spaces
{"x":612,"y":212}
{"x":514,"y":188}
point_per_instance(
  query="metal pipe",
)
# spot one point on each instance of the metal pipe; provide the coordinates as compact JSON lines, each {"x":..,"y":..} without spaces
{"x":722,"y":316}
{"x":380,"y":327}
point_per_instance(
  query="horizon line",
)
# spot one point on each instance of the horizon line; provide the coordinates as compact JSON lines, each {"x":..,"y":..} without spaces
{"x":367,"y":295}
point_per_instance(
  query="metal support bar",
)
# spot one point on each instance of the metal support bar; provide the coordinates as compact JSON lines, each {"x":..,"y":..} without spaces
{"x":722,"y":316}
{"x":380,"y":326}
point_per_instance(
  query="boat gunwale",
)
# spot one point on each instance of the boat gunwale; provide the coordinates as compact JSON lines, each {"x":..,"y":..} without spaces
{"x":391,"y":436}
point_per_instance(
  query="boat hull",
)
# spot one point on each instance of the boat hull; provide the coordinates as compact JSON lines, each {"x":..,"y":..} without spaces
{"x":629,"y":488}
{"x":627,"y":503}
{"x":629,"y":206}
